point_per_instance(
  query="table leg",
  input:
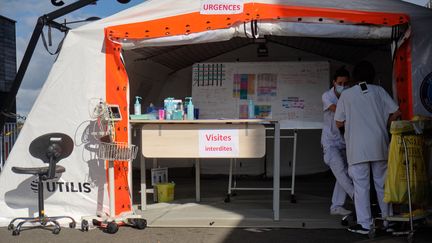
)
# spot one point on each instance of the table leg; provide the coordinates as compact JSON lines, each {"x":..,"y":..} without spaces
{"x":293,"y":172}
{"x":197,"y":180}
{"x":276,"y":172}
{"x":230,"y":176}
{"x":155,"y":165}
{"x":143,"y":185}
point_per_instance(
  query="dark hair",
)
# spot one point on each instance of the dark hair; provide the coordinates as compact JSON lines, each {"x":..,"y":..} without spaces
{"x":341,"y":72}
{"x":364,"y":72}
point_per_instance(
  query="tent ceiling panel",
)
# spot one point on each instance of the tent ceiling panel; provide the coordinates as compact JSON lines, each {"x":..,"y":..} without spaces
{"x":184,"y":56}
{"x":346,"y":50}
{"x":179,"y":57}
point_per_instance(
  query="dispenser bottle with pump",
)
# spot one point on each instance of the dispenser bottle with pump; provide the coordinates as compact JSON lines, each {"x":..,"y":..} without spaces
{"x":190,"y":109}
{"x":137,"y":106}
{"x":251,"y":109}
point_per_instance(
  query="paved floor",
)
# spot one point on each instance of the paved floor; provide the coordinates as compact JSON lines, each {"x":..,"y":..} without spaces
{"x":205,"y":235}
{"x":247,"y":208}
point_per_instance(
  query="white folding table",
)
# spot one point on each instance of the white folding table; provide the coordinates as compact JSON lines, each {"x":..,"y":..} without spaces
{"x":179,"y":139}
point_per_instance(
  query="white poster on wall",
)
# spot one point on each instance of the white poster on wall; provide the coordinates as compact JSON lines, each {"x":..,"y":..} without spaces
{"x":214,"y":143}
{"x":286,"y":91}
{"x":221,"y":7}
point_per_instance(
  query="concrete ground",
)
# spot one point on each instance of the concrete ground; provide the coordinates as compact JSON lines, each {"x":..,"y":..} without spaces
{"x":204,"y":235}
{"x":247,"y":208}
{"x":247,"y":218}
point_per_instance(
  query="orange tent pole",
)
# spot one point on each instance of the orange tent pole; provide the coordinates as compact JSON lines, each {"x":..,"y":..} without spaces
{"x":116,"y":93}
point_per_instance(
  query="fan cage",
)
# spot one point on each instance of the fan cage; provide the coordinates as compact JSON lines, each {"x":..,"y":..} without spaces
{"x":117,"y":151}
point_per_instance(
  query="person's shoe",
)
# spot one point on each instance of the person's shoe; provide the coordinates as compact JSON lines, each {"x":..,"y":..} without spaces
{"x":358,"y":229}
{"x":340,"y":211}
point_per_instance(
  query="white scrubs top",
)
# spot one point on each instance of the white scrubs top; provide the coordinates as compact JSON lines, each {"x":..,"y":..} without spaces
{"x":330,"y":137}
{"x":365,"y":116}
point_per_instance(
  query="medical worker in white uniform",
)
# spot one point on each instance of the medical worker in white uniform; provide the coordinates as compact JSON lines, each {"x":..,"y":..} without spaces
{"x":366,"y":110}
{"x":333,"y":145}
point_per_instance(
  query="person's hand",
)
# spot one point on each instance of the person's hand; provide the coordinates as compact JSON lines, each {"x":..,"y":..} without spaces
{"x":332,"y":108}
{"x":393,"y":117}
{"x":340,"y":124}
{"x":342,"y":130}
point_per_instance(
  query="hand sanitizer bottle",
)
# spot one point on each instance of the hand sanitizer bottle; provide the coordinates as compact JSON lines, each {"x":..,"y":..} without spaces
{"x":137,"y":106}
{"x":190,"y":110}
{"x":251,"y":109}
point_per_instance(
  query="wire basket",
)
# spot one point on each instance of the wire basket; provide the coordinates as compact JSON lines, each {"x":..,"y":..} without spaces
{"x":117,"y":151}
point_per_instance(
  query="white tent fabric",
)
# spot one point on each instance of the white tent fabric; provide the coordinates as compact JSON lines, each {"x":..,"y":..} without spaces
{"x":77,"y":79}
{"x":267,"y":28}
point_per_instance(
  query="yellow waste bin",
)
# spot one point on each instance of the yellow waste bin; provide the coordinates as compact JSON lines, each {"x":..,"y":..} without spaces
{"x":165,"y":192}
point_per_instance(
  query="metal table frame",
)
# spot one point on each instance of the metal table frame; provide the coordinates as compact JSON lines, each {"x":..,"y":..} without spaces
{"x":276,"y":158}
{"x":233,"y":186}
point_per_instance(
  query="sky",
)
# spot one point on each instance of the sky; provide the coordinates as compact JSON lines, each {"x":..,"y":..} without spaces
{"x":26,"y":12}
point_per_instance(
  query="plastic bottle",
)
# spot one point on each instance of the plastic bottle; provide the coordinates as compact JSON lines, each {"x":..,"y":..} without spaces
{"x":190,"y":109}
{"x":137,"y":106}
{"x":181,"y":111}
{"x":251,"y":109}
{"x":168,"y":103}
{"x":151,"y":108}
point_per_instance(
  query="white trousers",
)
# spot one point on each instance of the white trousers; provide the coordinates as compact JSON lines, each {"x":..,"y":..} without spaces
{"x":336,"y":159}
{"x":360,"y":174}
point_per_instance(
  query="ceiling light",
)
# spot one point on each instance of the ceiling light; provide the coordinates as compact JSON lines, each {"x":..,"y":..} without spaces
{"x":262,"y":50}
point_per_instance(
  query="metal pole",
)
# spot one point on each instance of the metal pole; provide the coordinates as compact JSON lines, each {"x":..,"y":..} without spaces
{"x":276,"y":171}
{"x":143,"y":184}
{"x":197,"y":180}
{"x":111,"y":188}
{"x":293,"y":171}
{"x":41,"y":198}
{"x":230,"y":176}
{"x":407,"y":171}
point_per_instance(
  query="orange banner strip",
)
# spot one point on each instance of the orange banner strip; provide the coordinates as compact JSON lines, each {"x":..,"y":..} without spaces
{"x":195,"y":22}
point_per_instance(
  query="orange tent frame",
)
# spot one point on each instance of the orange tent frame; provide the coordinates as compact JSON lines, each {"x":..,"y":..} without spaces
{"x":117,"y":81}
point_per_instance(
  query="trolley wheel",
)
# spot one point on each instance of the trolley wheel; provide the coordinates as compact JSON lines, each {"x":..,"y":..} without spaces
{"x":96,"y":222}
{"x":56,"y":231}
{"x":84,"y":225}
{"x":111,"y":228}
{"x":72,"y":225}
{"x":227,"y":199}
{"x":140,"y":223}
{"x":15,"y":232}
{"x":410,"y":237}
{"x":293,"y":199}
{"x":11,"y":226}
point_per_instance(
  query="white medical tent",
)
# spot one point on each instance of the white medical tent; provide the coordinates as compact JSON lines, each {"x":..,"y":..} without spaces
{"x":149,"y":50}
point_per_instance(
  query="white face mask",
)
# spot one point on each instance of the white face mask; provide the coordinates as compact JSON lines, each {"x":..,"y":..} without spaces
{"x":339,"y":88}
